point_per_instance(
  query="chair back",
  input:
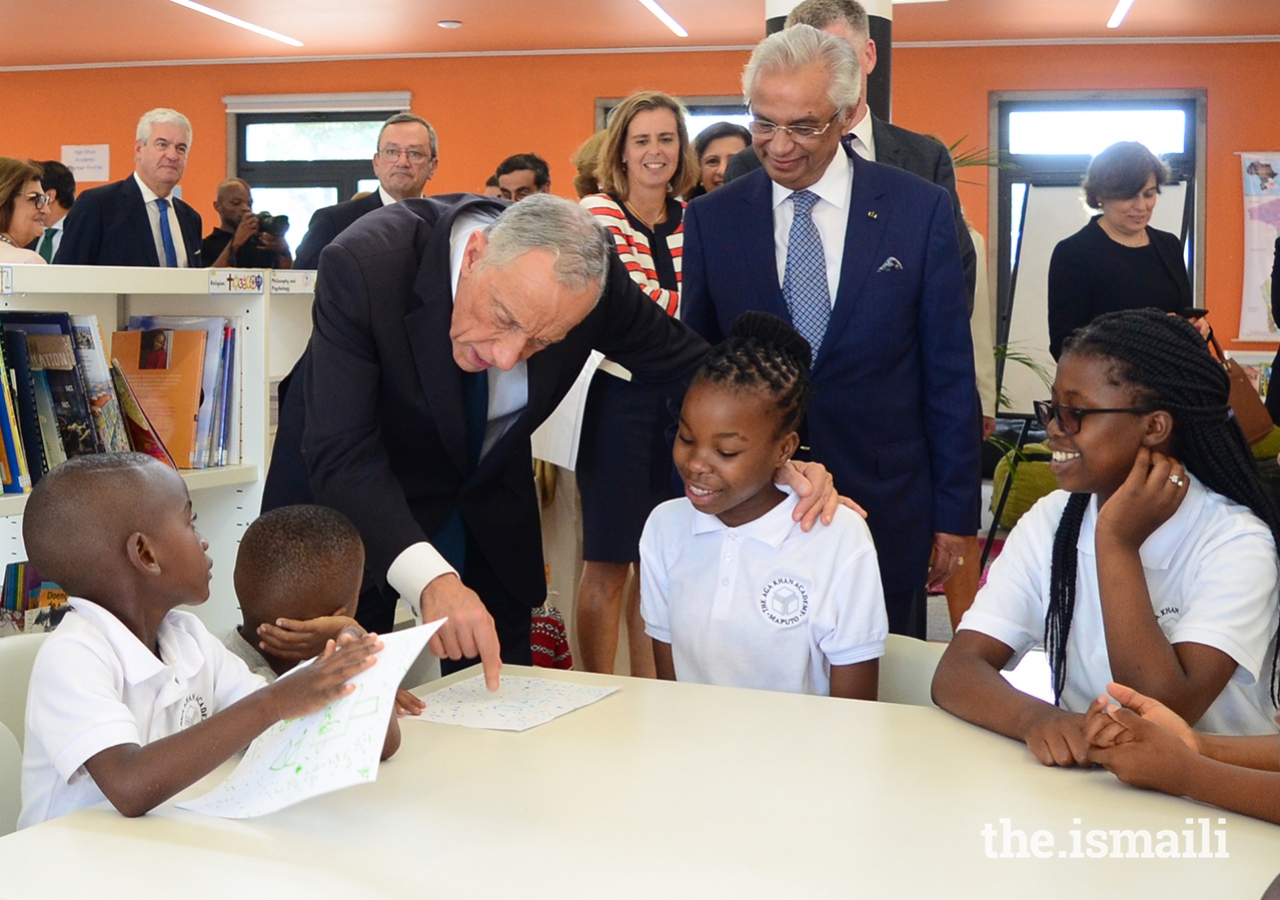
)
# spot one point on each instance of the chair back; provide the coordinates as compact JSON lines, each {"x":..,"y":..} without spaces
{"x":10,"y":781}
{"x":906,"y":670}
{"x":17,"y":656}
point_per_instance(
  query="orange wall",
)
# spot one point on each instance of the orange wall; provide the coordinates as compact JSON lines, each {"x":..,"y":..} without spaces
{"x":487,"y":108}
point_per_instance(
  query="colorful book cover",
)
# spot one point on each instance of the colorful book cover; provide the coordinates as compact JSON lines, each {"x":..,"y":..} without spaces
{"x":19,"y":481}
{"x":165,"y":369}
{"x":91,"y":356}
{"x":54,"y":453}
{"x":214,"y":328}
{"x":24,"y":393}
{"x":143,"y":438}
{"x":56,"y":357}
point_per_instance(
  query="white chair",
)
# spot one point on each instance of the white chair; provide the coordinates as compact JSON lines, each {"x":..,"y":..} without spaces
{"x":10,"y":781}
{"x":906,"y":670}
{"x":17,"y":655}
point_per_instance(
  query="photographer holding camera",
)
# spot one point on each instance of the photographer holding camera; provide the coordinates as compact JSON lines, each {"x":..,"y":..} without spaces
{"x":244,"y":240}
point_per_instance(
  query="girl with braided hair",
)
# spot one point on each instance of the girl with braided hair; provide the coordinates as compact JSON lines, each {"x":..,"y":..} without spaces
{"x":732,"y":591}
{"x":1154,"y":566}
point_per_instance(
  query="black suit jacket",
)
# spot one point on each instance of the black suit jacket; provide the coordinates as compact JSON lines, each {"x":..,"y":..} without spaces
{"x":109,"y":226}
{"x":378,"y":423}
{"x":916,"y":153}
{"x":327,"y":224}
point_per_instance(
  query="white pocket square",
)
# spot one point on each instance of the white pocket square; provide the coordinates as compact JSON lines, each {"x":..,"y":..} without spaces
{"x":889,"y":265}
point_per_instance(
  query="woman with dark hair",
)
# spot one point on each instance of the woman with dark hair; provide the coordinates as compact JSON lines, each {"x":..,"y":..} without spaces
{"x":714,"y":145}
{"x":644,"y":165}
{"x":22,"y":205}
{"x":1117,"y":261}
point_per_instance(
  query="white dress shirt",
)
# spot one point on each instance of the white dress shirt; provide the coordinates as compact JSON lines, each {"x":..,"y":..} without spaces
{"x":387,"y":199}
{"x":420,"y":564}
{"x":149,"y":197}
{"x":864,"y":139}
{"x":830,"y":215}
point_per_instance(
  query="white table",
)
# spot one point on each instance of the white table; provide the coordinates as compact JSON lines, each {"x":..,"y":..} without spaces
{"x":661,"y":791}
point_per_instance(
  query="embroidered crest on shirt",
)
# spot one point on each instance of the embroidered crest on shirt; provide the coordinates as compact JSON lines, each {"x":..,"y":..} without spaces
{"x":193,"y":710}
{"x":785,"y":601}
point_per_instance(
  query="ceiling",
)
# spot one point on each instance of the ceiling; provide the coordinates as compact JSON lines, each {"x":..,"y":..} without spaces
{"x":92,"y":31}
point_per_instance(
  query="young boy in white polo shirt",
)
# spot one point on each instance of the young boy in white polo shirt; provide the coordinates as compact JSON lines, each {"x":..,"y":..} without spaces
{"x":733,"y":592}
{"x":1156,"y":564}
{"x":131,"y":700}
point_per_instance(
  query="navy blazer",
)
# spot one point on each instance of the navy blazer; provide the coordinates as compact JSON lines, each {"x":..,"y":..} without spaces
{"x":375,"y":425}
{"x":109,"y":226}
{"x":894,"y":414}
{"x":329,"y":222}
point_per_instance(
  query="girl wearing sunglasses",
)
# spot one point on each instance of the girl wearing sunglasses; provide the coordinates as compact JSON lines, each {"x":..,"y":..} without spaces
{"x":22,"y":205}
{"x":1155,"y":564}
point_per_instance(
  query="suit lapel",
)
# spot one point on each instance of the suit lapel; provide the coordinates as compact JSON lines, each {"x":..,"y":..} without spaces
{"x":888,"y":150}
{"x":427,"y":327}
{"x":862,"y":238}
{"x":761,"y":254}
{"x":140,"y":221}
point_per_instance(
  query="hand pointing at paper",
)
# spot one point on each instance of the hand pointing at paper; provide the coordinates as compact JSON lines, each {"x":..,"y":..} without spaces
{"x":468,"y":630}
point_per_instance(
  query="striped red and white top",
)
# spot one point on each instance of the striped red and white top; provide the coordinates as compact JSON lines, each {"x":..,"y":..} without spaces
{"x":633,"y":248}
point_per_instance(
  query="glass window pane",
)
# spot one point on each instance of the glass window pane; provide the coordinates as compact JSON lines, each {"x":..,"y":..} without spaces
{"x":1084,"y":131}
{"x":366,"y":184}
{"x":698,"y":121}
{"x":298,"y":203}
{"x":285,"y":141}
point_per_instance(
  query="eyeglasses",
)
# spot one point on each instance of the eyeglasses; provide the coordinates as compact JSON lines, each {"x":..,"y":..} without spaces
{"x":1069,"y":418}
{"x":766,"y":129}
{"x":40,"y":201}
{"x":416,"y":157}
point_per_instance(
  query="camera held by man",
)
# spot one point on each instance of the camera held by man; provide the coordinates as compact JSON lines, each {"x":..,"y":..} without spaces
{"x":243,"y":239}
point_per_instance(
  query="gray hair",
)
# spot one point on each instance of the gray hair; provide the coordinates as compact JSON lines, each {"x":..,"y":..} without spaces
{"x":823,"y":13}
{"x":800,"y":46}
{"x":162,"y":116}
{"x":546,"y":222}
{"x":400,"y":119}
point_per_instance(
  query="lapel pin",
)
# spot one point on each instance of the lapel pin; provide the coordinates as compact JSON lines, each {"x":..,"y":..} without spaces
{"x":871,"y":214}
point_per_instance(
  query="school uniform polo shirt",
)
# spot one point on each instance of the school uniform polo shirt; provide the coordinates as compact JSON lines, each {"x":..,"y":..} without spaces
{"x":94,"y":685}
{"x":1211,"y":571}
{"x":763,"y":605}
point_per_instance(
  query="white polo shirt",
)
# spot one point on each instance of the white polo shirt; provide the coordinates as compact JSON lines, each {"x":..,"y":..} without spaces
{"x":94,"y":685}
{"x":1211,"y":571}
{"x":763,"y":605}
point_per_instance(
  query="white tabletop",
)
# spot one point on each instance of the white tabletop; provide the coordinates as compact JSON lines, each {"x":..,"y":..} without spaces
{"x":659,"y":791}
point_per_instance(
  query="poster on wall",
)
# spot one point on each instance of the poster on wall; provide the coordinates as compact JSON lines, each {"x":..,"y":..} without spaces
{"x":88,"y":162}
{"x":1261,"y":173}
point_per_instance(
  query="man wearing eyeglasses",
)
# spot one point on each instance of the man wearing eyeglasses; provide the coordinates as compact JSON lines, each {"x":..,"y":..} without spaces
{"x":864,"y":261}
{"x":405,"y":161}
{"x":139,"y":221}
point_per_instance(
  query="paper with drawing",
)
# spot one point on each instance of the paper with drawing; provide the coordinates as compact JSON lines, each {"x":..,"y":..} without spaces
{"x":519,"y":704}
{"x":327,"y":750}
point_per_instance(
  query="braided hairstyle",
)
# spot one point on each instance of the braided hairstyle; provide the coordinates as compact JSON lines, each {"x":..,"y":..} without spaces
{"x":1165,"y":361}
{"x":764,"y":353}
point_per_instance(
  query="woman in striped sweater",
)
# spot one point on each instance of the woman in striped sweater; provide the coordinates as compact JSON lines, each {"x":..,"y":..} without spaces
{"x":624,"y":461}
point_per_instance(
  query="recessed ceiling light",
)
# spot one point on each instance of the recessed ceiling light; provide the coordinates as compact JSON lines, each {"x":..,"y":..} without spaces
{"x":449,"y":23}
{"x":239,"y":23}
{"x":1122,"y":10}
{"x":664,"y":17}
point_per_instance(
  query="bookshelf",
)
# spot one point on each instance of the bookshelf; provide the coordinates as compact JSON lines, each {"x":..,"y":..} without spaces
{"x":273,"y":325}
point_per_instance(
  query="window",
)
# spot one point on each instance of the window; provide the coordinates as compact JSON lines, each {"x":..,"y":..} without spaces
{"x":703,"y":112}
{"x":1045,"y":143}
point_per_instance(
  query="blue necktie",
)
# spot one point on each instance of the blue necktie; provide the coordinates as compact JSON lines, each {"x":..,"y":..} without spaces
{"x":450,"y":539}
{"x":804,"y":285}
{"x":166,"y":235}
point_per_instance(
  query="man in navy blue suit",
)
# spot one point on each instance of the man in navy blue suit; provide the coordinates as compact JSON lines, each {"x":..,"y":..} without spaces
{"x":863,"y":259}
{"x":138,"y":221}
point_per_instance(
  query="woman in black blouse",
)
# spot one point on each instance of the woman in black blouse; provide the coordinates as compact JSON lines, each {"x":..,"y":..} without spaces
{"x":1117,"y":261}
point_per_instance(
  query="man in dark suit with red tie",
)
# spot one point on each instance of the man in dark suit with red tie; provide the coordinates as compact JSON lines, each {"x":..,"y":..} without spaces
{"x":138,"y":221}
{"x":863,"y":259}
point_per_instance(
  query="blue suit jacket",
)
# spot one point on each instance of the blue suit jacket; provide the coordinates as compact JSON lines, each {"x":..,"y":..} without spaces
{"x":894,"y":414}
{"x":108,"y":226}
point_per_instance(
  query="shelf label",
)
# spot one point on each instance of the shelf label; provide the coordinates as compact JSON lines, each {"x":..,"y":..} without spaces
{"x":287,"y":281}
{"x":236,"y":281}
{"x":6,"y":279}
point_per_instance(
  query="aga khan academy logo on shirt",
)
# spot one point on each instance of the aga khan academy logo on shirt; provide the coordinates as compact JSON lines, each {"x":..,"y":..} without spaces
{"x":785,"y":601}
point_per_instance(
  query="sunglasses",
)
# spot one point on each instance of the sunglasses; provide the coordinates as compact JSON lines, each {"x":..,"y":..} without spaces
{"x":1070,"y":418}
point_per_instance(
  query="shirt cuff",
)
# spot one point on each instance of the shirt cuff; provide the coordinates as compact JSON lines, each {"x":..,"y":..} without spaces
{"x":416,"y":567}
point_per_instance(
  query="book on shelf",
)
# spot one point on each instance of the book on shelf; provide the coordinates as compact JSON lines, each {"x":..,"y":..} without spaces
{"x":104,"y":406}
{"x":30,"y":602}
{"x":143,"y":437}
{"x":165,"y":369}
{"x":17,"y":475}
{"x":18,"y":365}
